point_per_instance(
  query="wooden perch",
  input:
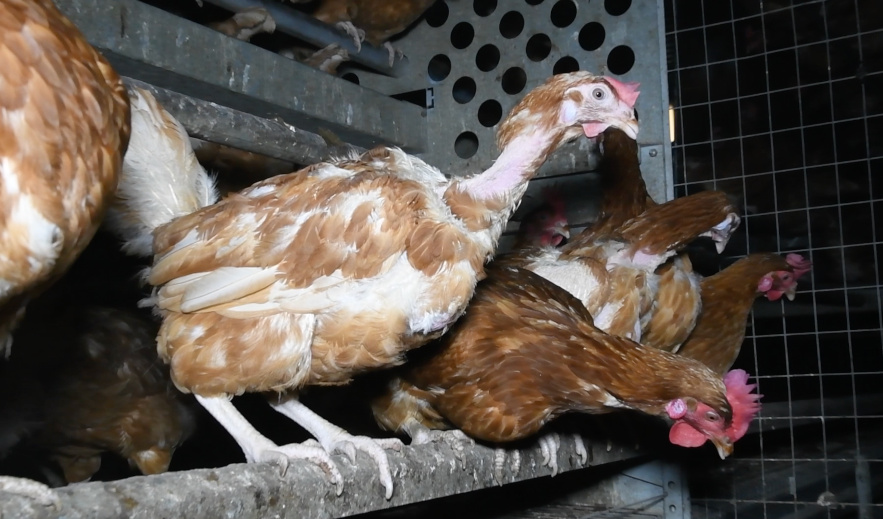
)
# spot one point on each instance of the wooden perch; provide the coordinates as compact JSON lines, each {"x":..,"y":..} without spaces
{"x":247,"y":491}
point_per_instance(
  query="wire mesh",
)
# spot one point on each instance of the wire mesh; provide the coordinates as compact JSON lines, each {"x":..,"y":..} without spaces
{"x":779,"y":103}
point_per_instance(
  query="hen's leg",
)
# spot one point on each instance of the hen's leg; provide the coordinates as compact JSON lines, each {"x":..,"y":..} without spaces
{"x":335,"y":439}
{"x":581,"y":451}
{"x":30,"y":489}
{"x":358,"y":35}
{"x":258,"y":448}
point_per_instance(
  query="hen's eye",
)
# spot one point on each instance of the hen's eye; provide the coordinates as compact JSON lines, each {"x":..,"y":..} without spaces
{"x":599,"y":93}
{"x":711,"y":416}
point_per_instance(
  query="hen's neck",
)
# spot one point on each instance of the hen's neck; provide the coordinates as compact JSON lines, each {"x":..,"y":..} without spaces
{"x":516,"y":165}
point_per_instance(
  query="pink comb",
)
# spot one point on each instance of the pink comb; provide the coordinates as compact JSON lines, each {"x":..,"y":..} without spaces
{"x":628,"y":92}
{"x":744,"y":403}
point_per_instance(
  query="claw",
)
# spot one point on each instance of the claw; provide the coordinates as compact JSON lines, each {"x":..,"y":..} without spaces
{"x":580,"y":447}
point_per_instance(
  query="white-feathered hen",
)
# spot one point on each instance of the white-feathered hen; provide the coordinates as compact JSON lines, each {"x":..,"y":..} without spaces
{"x":314,"y":276}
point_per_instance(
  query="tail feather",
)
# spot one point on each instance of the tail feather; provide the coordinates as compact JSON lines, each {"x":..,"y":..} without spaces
{"x":161,"y":178}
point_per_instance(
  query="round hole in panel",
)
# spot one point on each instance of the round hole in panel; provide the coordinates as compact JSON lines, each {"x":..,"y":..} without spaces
{"x":591,"y":36}
{"x":617,"y":7}
{"x":465,"y":145}
{"x":513,"y":80}
{"x":511,"y":24}
{"x":565,"y":65}
{"x":437,"y":15}
{"x":487,"y":58}
{"x":563,"y":13}
{"x":489,"y":113}
{"x":621,"y":59}
{"x":462,"y":35}
{"x":352,"y":78}
{"x":533,"y":2}
{"x":439,"y":67}
{"x":538,"y":47}
{"x":484,"y":7}
{"x":464,"y":90}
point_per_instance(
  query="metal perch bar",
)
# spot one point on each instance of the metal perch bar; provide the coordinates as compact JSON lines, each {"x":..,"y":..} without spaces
{"x":215,"y":123}
{"x":300,"y":25}
{"x":249,"y":491}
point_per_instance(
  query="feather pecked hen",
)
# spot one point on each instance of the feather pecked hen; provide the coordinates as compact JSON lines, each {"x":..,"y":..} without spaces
{"x":64,"y":124}
{"x":525,"y":352}
{"x":315,"y":276}
{"x":612,"y":266}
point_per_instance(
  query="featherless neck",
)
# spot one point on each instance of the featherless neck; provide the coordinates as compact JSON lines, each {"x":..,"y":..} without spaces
{"x":517,"y":163}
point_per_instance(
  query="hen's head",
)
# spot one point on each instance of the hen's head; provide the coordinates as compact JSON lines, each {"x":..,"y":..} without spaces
{"x":784,"y":282}
{"x":696,"y":422}
{"x":573,"y":104}
{"x":546,"y":225}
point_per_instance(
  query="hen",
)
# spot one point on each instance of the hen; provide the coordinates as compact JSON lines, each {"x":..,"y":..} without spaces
{"x":670,"y":302}
{"x":374,"y":21}
{"x":545,"y":225}
{"x":727,"y":298}
{"x":614,"y":274}
{"x":64,"y":124}
{"x":525,"y":352}
{"x":312,"y":277}
{"x":102,"y":388}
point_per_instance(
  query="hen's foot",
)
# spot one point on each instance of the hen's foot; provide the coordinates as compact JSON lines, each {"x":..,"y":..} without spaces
{"x":393,"y":53}
{"x":550,"y":443}
{"x":358,"y":35}
{"x":335,"y":439}
{"x":580,"y":448}
{"x":500,"y":456}
{"x":31,"y":489}
{"x":454,"y":438}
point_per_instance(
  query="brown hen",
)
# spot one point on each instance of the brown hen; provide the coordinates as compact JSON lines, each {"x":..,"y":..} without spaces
{"x":64,"y":124}
{"x":727,"y":298}
{"x":315,"y":276}
{"x":102,"y":388}
{"x":525,"y":352}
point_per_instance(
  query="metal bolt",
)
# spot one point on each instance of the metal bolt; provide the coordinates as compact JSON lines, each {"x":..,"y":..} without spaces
{"x":653,"y":153}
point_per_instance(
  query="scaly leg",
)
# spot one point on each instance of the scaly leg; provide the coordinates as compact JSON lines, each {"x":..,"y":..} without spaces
{"x":258,"y":448}
{"x":335,"y":439}
{"x":30,"y":489}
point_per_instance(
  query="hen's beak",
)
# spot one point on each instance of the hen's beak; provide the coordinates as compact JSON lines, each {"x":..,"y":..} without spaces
{"x":630,"y":127}
{"x":790,"y":292}
{"x":723,"y":445}
{"x":563,"y":230}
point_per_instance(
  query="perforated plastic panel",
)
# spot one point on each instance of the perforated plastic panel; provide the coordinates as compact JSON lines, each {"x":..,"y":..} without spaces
{"x":478,"y":58}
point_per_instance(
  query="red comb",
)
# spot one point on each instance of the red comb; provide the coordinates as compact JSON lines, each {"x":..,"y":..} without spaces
{"x":745,"y":404}
{"x":628,"y":92}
